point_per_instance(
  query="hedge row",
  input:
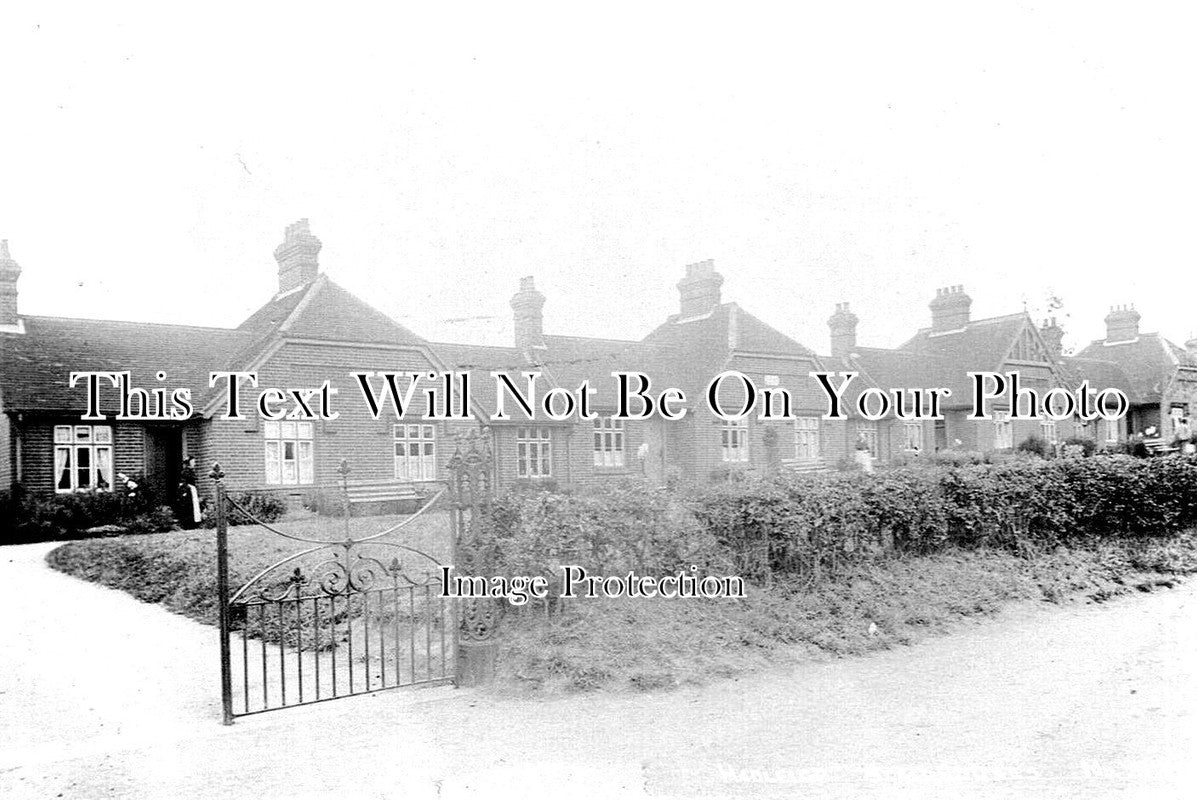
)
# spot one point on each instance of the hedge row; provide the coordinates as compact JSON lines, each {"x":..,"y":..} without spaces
{"x":803,"y":524}
{"x":607,"y":531}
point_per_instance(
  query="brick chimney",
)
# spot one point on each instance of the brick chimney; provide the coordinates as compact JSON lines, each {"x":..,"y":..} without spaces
{"x":296,"y":257}
{"x":699,"y":289}
{"x":843,"y":331}
{"x":949,"y":309}
{"x":1122,"y":324}
{"x":9,"y":272}
{"x":1053,"y":337}
{"x":528,"y":304}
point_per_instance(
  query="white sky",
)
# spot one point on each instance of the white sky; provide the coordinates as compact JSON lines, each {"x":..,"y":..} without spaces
{"x":150,"y":159}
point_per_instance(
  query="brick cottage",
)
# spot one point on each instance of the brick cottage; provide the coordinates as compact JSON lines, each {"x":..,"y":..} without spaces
{"x":313,"y":330}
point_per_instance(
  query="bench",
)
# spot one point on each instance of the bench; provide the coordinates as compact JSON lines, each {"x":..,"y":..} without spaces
{"x":407,"y":497}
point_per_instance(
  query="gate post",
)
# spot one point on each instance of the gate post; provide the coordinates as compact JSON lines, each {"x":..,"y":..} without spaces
{"x":222,"y":583}
{"x":470,"y":491}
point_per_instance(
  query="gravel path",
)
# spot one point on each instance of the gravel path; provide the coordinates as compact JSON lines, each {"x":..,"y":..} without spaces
{"x":103,"y":696}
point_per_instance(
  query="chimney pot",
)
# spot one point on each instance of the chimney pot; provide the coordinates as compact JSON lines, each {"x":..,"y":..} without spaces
{"x":297,"y":257}
{"x":1122,"y":323}
{"x":10,"y":271}
{"x":950,"y":309}
{"x":700,"y":289}
{"x":842,"y":325}
{"x":528,"y":305}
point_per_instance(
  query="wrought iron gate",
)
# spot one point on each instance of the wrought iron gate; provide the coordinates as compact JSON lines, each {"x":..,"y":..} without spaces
{"x":353,"y":614}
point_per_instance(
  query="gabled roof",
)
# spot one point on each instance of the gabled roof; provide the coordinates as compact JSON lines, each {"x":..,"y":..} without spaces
{"x":894,"y":369}
{"x":1101,"y":374}
{"x":688,"y":353}
{"x":980,"y":345}
{"x":479,"y":361}
{"x":35,"y":366}
{"x":1149,"y":361}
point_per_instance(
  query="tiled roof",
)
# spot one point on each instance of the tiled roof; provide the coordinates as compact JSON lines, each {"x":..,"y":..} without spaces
{"x":980,"y":345}
{"x":35,"y":366}
{"x":1101,"y":375}
{"x":479,"y":361}
{"x":893,"y":369}
{"x":1149,"y":361}
{"x":688,"y":353}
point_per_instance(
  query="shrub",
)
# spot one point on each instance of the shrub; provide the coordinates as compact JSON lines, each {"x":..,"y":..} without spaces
{"x":29,"y":518}
{"x":264,"y":506}
{"x":1088,"y":446}
{"x":1035,"y":445}
{"x":606,"y":530}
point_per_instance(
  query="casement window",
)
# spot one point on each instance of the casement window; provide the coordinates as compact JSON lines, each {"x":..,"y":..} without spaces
{"x":806,"y":438}
{"x":1003,"y":430}
{"x":734,"y":441}
{"x":1111,"y":426}
{"x":415,"y":452}
{"x":912,"y":435}
{"x":82,"y":458}
{"x":608,"y":442}
{"x":289,"y":458}
{"x":533,"y":452}
{"x":1048,"y":430}
{"x":867,"y":431}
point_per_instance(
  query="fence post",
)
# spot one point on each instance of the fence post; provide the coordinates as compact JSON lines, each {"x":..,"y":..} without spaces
{"x":222,"y":590}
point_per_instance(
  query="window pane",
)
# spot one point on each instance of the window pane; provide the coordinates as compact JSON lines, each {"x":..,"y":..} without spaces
{"x":62,"y":434}
{"x":270,"y":429}
{"x":82,"y":433}
{"x":287,"y":430}
{"x":104,"y":468}
{"x":102,"y":434}
{"x":62,"y":467}
{"x":306,"y":468}
{"x":82,"y":467}
{"x":273,"y":470}
{"x":304,"y":430}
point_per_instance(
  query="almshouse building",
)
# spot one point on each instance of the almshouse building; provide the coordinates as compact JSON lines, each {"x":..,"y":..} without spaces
{"x":312,"y":331}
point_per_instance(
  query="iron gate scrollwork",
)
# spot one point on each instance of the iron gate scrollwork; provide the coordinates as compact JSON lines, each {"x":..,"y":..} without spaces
{"x":471,"y":494}
{"x":348,"y":614}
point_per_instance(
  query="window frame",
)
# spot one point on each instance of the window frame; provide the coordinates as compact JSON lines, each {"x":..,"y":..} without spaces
{"x":534,"y":445}
{"x":1003,"y":430}
{"x":610,"y":440}
{"x":424,"y":459}
{"x":293,"y":462}
{"x":93,"y":444}
{"x":733,"y":441}
{"x":808,"y":436}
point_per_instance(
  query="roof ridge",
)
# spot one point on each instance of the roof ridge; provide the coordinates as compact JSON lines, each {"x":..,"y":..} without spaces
{"x":129,"y":322}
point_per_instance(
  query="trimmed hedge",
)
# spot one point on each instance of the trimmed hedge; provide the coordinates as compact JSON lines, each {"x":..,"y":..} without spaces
{"x":807,"y":524}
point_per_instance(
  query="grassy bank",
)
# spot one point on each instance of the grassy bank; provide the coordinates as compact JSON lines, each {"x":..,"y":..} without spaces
{"x":648,"y":644}
{"x":178,"y":569}
{"x":652,"y":644}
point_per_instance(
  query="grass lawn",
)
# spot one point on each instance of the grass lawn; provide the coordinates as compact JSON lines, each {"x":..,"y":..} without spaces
{"x":178,"y":569}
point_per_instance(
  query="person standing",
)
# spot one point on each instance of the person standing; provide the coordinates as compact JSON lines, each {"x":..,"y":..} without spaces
{"x":190,"y":514}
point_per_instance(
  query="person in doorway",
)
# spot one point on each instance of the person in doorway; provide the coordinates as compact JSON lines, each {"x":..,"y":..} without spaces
{"x":190,"y":514}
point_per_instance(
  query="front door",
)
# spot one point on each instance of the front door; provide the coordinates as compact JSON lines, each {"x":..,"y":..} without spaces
{"x":163,"y":460}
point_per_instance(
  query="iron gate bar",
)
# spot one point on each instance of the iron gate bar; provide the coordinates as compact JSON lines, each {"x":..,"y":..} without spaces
{"x":352,"y":570}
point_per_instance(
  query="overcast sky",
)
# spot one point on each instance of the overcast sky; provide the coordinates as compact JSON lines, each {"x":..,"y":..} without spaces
{"x":150,"y":159}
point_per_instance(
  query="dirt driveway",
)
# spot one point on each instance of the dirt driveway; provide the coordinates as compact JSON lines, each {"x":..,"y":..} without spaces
{"x":103,"y":696}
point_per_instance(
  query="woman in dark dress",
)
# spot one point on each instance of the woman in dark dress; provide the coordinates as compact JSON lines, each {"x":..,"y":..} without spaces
{"x":189,"y":504}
